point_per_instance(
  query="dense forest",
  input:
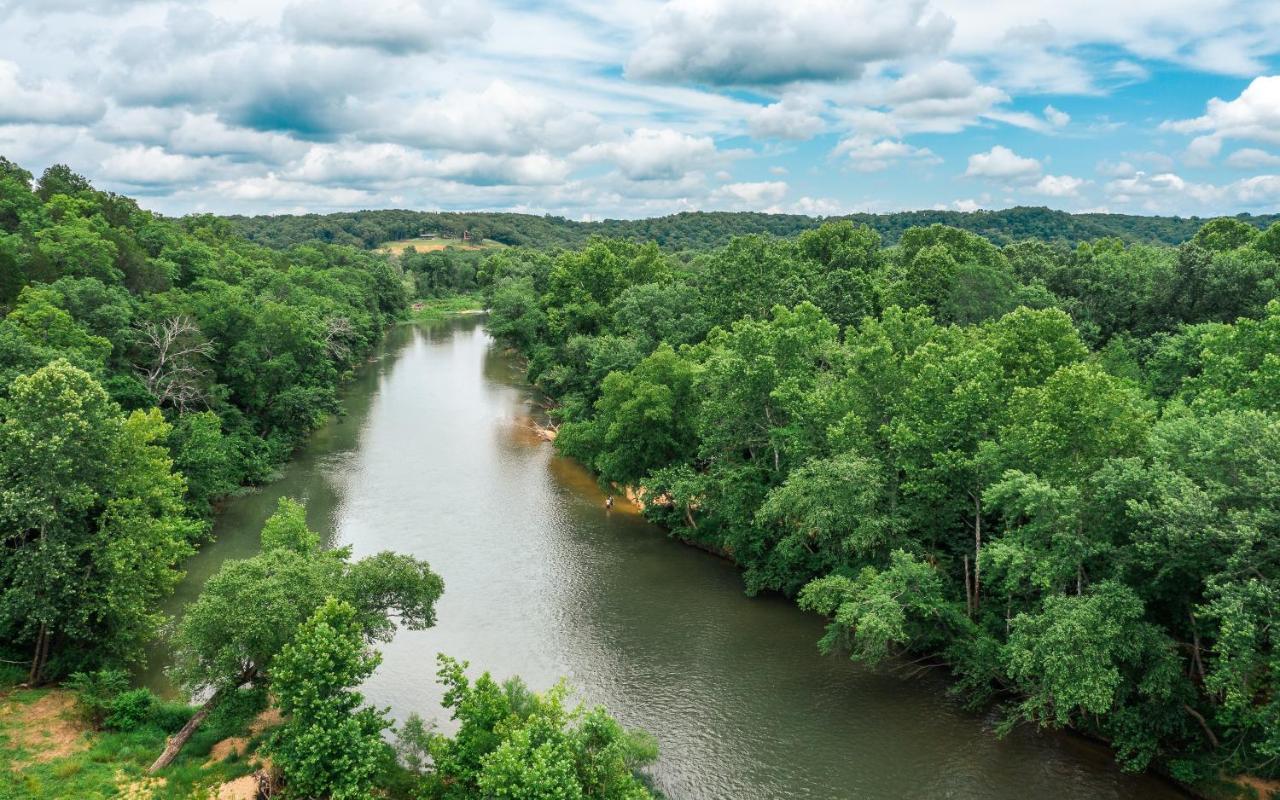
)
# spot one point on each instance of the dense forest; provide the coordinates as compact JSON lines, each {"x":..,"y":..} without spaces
{"x":1050,"y":470}
{"x":704,"y":230}
{"x":149,"y":367}
{"x":1045,"y":462}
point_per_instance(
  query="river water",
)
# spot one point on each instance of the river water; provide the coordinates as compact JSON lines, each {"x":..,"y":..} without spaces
{"x":435,"y":456}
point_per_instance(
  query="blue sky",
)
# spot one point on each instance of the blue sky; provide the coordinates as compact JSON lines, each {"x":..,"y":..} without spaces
{"x":632,"y":109}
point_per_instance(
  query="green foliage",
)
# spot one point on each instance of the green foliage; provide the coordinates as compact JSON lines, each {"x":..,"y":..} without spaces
{"x":93,"y":514}
{"x":96,"y":692}
{"x":329,"y":745}
{"x":147,"y":368}
{"x":129,"y":710}
{"x":248,"y":610}
{"x":515,"y":743}
{"x":1050,"y":467}
{"x":702,"y":230}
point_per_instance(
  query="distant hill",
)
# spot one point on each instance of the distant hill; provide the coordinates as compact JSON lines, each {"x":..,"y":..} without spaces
{"x":700,"y":230}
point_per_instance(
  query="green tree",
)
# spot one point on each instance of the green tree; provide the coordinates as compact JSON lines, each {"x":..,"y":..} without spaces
{"x":514,"y":743}
{"x":93,"y":517}
{"x":248,"y":610}
{"x":329,"y":746}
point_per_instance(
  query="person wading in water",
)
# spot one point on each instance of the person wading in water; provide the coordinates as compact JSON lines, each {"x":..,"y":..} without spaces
{"x":608,"y":503}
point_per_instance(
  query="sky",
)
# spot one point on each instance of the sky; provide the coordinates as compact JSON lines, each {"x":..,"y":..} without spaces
{"x":648,"y":107}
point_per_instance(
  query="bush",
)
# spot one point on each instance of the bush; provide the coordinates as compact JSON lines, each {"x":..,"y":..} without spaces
{"x":96,"y":691}
{"x":130,"y":710}
{"x":170,"y":717}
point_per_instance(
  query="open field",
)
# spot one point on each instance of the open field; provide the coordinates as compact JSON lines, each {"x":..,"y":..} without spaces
{"x":432,"y":245}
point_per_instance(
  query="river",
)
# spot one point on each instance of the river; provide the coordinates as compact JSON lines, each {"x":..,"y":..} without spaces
{"x":434,"y":455}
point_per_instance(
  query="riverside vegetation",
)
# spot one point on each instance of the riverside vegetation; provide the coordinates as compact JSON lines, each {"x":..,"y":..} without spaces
{"x":149,"y":367}
{"x":1050,"y":470}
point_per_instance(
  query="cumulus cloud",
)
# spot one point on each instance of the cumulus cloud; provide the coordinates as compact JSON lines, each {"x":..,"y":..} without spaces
{"x":1001,"y":163}
{"x":1254,"y":115}
{"x":1154,"y":192}
{"x":501,"y":118}
{"x":37,"y":101}
{"x":152,"y":166}
{"x":1252,"y":157}
{"x":1056,"y":118}
{"x":1059,"y":186}
{"x":763,"y":42}
{"x":1116,"y":169}
{"x":392,"y":26}
{"x":749,"y":195}
{"x":627,"y":109}
{"x":789,"y":118}
{"x":869,"y":155}
{"x":653,"y":154}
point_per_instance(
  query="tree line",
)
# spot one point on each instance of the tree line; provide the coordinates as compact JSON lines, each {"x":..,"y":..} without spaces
{"x":147,"y":368}
{"x":702,"y":230}
{"x":1050,"y":470}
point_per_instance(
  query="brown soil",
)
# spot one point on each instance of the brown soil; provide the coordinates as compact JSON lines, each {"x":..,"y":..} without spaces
{"x":44,"y":730}
{"x":245,"y":788}
{"x":239,"y":745}
{"x":528,"y":431}
{"x":1265,"y":789}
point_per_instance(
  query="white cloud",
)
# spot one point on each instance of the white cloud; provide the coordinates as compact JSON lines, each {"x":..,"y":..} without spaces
{"x":1254,"y":115}
{"x":1001,"y":163}
{"x":749,"y":195}
{"x":968,"y":204}
{"x":815,"y":207}
{"x":653,"y":154}
{"x":1202,"y":151}
{"x":276,"y":192}
{"x":1056,"y":118}
{"x":1059,"y":186}
{"x":789,"y":118}
{"x":393,"y":26}
{"x":502,"y":118}
{"x":1153,"y":193}
{"x":763,"y":42}
{"x":1116,"y":169}
{"x":44,"y":101}
{"x":152,"y":166}
{"x":1251,"y":157}
{"x":869,"y":155}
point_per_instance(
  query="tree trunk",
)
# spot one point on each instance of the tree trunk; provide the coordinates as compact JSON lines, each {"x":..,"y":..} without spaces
{"x":37,"y":661}
{"x":968,"y":591}
{"x":977,"y":549}
{"x":176,"y":741}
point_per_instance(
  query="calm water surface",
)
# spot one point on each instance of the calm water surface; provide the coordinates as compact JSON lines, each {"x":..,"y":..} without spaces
{"x":435,"y":457}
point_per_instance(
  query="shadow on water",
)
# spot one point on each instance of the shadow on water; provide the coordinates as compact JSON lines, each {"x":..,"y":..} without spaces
{"x":435,"y":456}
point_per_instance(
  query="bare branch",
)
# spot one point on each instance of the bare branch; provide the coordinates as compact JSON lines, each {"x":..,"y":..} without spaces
{"x":172,"y":366}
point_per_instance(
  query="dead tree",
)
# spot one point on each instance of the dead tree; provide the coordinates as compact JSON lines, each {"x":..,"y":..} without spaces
{"x":172,"y":367}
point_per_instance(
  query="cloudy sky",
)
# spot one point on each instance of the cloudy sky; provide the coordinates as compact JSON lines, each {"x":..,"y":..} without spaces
{"x":643,"y":107}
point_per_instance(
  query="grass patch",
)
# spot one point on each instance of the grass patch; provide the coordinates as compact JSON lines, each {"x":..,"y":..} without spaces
{"x":441,"y":307}
{"x":113,"y":764}
{"x":437,"y":244}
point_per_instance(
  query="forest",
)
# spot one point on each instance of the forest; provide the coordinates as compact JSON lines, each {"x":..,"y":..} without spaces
{"x":1046,"y":468}
{"x":1050,"y":471}
{"x":692,"y":231}
{"x":148,"y":369}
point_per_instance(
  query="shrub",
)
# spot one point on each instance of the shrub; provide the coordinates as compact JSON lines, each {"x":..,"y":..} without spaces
{"x":130,"y":710}
{"x":96,"y":691}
